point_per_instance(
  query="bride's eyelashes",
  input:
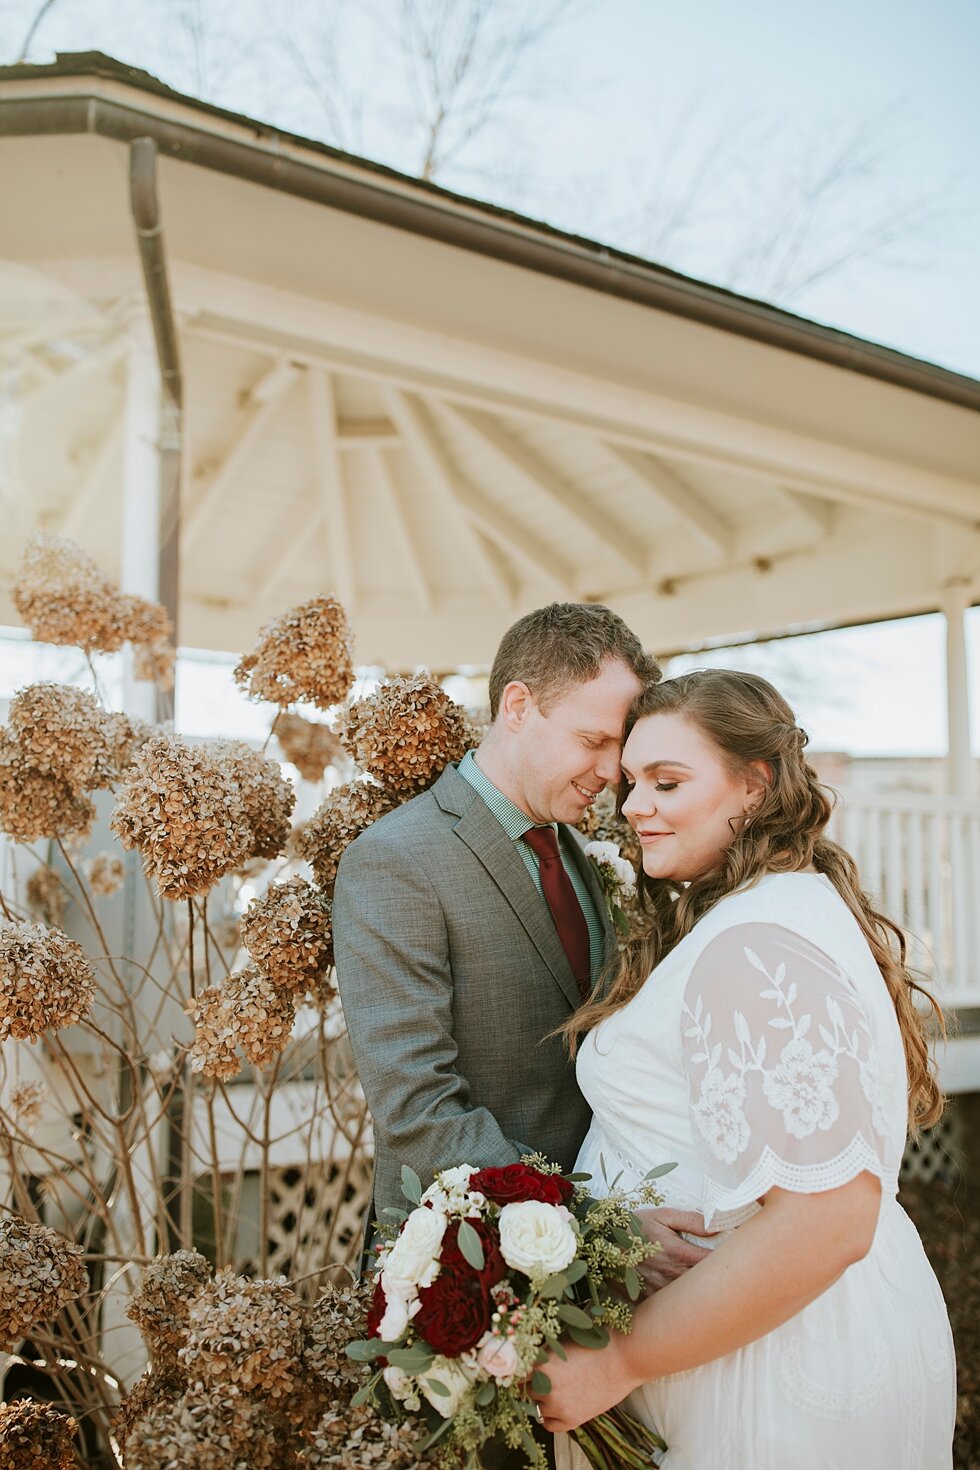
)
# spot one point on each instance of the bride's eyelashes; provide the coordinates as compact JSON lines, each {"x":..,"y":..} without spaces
{"x":666,"y":786}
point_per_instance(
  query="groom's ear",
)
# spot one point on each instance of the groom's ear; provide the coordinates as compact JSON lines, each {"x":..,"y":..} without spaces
{"x":516,"y":702}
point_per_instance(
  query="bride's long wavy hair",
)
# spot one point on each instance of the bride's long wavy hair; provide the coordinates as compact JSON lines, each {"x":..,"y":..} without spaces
{"x":748,"y":720}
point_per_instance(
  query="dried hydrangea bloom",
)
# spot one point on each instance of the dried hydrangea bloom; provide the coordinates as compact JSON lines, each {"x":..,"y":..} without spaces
{"x":287,"y":933}
{"x":61,"y":731}
{"x":345,"y":814}
{"x":337,"y":1317}
{"x":42,"y":1272}
{"x":161,"y":1305}
{"x":126,"y":737}
{"x":184,"y":813}
{"x":35,"y":1436}
{"x":360,"y":1439}
{"x":246,"y":1334}
{"x":602,"y":823}
{"x":405,"y":733}
{"x":45,"y":894}
{"x":246,"y":1011}
{"x":209,"y":1427}
{"x":46,"y":982}
{"x":268,"y":798}
{"x":478,"y":722}
{"x":307,"y":745}
{"x":25,"y":1102}
{"x":105,"y":873}
{"x":35,"y":806}
{"x":304,"y":656}
{"x":156,"y":1388}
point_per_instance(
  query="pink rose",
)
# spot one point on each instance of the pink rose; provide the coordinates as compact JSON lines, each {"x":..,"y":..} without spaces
{"x":498,"y":1357}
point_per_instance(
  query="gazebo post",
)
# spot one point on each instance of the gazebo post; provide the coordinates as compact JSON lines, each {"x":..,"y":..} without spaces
{"x":960,"y":780}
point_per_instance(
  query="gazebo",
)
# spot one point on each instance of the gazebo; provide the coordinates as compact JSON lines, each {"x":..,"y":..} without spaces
{"x":241,"y":367}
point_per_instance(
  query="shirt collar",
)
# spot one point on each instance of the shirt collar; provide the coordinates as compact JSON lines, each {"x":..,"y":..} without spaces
{"x":514,"y":822}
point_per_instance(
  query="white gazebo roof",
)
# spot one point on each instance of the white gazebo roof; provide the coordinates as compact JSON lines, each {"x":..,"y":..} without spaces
{"x":443,"y":413}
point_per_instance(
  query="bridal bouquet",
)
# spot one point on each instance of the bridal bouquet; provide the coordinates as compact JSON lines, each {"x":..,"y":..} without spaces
{"x":479,"y":1283}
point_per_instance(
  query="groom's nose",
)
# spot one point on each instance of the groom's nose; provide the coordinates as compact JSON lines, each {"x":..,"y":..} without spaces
{"x":607,"y":766}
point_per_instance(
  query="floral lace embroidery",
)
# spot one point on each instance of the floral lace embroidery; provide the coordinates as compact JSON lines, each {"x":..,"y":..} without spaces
{"x":800,"y":1085}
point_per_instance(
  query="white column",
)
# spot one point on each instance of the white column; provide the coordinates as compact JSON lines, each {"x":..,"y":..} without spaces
{"x":140,"y":571}
{"x":959,"y":761}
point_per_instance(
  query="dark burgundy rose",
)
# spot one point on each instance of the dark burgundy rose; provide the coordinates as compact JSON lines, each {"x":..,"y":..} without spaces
{"x":513,"y":1183}
{"x":454,"y":1313}
{"x":452,"y":1258}
{"x":377,"y":1308}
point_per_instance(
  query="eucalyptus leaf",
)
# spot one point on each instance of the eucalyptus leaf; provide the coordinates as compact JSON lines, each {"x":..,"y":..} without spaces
{"x":553,"y":1286}
{"x":596,"y":1337}
{"x":365,"y":1393}
{"x":471,"y":1245}
{"x":415,"y":1359}
{"x":575,"y":1272}
{"x":631,"y":1281}
{"x":575,"y":1317}
{"x":486,"y":1395}
{"x":658,"y":1172}
{"x":437,"y":1434}
{"x":438,"y":1387}
{"x":540,"y":1382}
{"x":411,"y":1185}
{"x":366,"y":1350}
{"x":395,"y":1213}
{"x":577,"y":1178}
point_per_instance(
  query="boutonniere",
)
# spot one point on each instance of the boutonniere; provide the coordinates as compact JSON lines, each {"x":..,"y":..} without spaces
{"x":618,"y":881}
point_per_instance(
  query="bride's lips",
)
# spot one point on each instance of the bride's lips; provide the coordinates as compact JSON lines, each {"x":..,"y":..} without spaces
{"x":652,"y":836}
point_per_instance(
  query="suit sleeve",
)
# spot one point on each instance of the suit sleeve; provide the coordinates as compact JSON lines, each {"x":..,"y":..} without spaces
{"x":396,"y":984}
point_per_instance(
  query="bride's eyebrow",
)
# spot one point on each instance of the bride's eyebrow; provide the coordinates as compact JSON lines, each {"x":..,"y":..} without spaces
{"x":655,"y":766}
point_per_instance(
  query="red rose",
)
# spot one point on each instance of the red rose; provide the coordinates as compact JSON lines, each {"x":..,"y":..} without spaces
{"x":452,"y":1258}
{"x":514,"y":1183}
{"x":377,"y":1308}
{"x":454,"y":1313}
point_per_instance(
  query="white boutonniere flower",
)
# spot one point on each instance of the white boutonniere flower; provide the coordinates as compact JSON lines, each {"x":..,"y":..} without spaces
{"x":618,"y":881}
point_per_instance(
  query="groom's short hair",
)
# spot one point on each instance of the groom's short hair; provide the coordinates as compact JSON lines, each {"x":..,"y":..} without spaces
{"x":564,"y":644}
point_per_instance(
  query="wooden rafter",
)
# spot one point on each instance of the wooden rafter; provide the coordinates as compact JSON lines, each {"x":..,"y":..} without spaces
{"x":83,"y":500}
{"x":653,"y":476}
{"x":410,"y":548}
{"x":335,"y":521}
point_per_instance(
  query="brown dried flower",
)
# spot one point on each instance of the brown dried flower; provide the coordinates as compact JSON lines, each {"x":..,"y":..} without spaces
{"x":45,"y":895}
{"x":405,"y":733}
{"x":35,"y":1436}
{"x":246,"y":1335}
{"x":287,"y":933}
{"x":61,"y":731}
{"x":126,"y":737}
{"x":34,"y":805}
{"x":46,"y":982}
{"x":209,"y":1427}
{"x":26,"y":1100}
{"x":105,"y":873}
{"x":64,"y":598}
{"x":360,"y":1439}
{"x":337,"y":1317}
{"x":303,"y":656}
{"x":155,"y":1389}
{"x":345,"y":814}
{"x":307,"y":745}
{"x":248,"y":1011}
{"x":268,"y":798}
{"x":42,"y":1272}
{"x":184,"y":812}
{"x":161,"y":1305}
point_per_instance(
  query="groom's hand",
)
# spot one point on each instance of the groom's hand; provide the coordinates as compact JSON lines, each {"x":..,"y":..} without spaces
{"x":675,"y":1255}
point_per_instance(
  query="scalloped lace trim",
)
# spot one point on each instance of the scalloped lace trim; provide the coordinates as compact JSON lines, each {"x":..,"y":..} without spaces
{"x":771,"y":1171}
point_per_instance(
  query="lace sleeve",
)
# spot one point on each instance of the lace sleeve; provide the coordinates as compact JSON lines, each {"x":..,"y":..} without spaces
{"x":781,"y":1068}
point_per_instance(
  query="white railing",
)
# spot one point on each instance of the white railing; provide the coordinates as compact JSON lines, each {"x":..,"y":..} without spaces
{"x":920,"y":857}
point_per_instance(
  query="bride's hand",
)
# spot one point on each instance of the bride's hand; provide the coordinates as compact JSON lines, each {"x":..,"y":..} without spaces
{"x":676,"y":1255}
{"x":587,"y":1383}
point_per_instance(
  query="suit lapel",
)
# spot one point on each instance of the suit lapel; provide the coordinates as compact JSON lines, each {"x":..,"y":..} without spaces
{"x":487,"y":840}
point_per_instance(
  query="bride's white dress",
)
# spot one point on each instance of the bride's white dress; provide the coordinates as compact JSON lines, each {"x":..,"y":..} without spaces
{"x":765,"y":1051}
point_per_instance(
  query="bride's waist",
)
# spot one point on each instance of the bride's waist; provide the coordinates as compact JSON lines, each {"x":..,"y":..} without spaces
{"x":613,"y":1164}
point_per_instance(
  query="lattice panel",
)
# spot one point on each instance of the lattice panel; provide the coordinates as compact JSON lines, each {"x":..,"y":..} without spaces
{"x":937,"y":1153}
{"x":316,"y":1218}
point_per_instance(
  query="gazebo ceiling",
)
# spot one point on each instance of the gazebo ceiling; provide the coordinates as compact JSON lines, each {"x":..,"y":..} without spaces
{"x":440,"y":437}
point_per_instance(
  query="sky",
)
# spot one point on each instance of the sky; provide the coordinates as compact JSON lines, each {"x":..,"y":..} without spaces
{"x":630,"y":101}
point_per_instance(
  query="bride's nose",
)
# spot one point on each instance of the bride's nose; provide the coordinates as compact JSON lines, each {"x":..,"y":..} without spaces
{"x":633,"y":806}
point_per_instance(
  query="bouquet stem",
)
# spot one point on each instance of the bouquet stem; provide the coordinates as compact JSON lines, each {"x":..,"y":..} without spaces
{"x":616,"y":1440}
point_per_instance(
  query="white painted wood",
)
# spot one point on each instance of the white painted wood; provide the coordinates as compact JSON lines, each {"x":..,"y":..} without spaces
{"x":960,"y":775}
{"x":816,"y":511}
{"x":335,"y":521}
{"x":420,"y":438}
{"x":411,"y":548}
{"x":258,"y":414}
{"x":83,"y":501}
{"x":517,"y":460}
{"x":140,"y":568}
{"x":656,"y":477}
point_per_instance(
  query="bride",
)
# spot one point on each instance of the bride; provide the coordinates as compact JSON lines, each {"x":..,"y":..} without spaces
{"x":765,"y":1035}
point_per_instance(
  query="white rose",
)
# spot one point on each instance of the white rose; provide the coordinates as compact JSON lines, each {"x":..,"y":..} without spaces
{"x":602,"y":852}
{"x":624,"y":872}
{"x":395,"y":1319}
{"x":536,"y":1238}
{"x":499,"y":1357}
{"x":401,"y":1384}
{"x":455,"y":1377}
{"x":413,"y":1260}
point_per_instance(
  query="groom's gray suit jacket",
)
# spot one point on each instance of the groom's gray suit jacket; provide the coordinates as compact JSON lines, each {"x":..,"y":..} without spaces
{"x":452,"y":976}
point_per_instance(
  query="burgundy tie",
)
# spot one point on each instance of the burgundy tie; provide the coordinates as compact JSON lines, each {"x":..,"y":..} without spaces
{"x":566,"y":910}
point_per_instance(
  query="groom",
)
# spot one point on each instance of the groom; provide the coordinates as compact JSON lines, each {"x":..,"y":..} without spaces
{"x":468,"y":924}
